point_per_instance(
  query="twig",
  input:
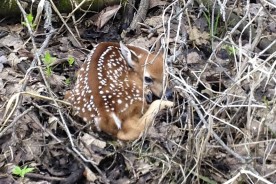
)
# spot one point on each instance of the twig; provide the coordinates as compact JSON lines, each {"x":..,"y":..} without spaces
{"x":64,"y":22}
{"x":154,"y":30}
{"x":42,"y":177}
{"x":233,"y":179}
{"x":192,"y":102}
{"x":44,"y":44}
{"x":71,"y":14}
{"x":5,"y":130}
{"x":140,"y":15}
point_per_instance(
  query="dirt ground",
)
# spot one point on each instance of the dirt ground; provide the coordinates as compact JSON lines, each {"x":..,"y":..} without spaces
{"x":220,"y":63}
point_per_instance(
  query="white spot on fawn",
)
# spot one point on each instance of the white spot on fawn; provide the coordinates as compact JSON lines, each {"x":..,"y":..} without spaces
{"x":116,"y":120}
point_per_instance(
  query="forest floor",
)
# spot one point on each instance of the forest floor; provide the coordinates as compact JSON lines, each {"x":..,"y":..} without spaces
{"x":221,"y":67}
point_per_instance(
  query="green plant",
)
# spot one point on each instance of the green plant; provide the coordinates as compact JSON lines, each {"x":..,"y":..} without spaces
{"x":230,"y":50}
{"x":67,"y":81}
{"x":30,"y":19}
{"x":124,"y":3}
{"x":48,"y":60}
{"x":215,"y":26}
{"x":71,"y":60}
{"x":22,"y":171}
{"x":48,"y":71}
{"x":266,"y":102}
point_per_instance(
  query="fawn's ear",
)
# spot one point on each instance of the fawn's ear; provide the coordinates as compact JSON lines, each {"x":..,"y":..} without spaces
{"x":130,"y":57}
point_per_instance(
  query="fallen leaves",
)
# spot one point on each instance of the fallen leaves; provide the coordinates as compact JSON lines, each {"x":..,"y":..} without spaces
{"x":105,"y":15}
{"x":14,"y":41}
{"x":200,"y":38}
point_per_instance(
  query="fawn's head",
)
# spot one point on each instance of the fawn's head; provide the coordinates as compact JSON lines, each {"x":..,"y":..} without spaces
{"x":149,"y":66}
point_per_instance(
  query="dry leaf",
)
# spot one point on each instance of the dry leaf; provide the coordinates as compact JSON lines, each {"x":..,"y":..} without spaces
{"x":13,"y":60}
{"x":193,"y":57}
{"x":154,"y":3}
{"x":3,"y":60}
{"x":143,"y":42}
{"x":16,"y":28}
{"x":53,"y":122}
{"x":12,"y":40}
{"x":89,"y":139}
{"x":143,"y":167}
{"x":155,"y":21}
{"x":106,"y":14}
{"x":56,"y":80}
{"x":200,"y":38}
{"x":11,"y":105}
{"x":90,"y":176}
{"x":2,"y":89}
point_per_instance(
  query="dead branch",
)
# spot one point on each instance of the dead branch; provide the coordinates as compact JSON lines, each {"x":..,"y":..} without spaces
{"x":139,"y":17}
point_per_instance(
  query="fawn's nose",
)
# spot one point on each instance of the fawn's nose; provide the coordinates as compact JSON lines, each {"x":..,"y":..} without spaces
{"x":169,"y":94}
{"x":150,"y":97}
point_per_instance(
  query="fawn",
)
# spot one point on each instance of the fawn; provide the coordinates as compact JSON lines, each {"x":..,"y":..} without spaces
{"x":110,"y":89}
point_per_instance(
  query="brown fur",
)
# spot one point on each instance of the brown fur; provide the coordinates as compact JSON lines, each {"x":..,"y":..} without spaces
{"x":132,"y":120}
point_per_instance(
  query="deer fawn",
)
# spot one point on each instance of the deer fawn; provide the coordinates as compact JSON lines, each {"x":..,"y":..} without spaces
{"x":109,"y":89}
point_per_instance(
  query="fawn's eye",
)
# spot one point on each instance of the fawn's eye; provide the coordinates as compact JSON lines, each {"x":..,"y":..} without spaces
{"x":148,"y":80}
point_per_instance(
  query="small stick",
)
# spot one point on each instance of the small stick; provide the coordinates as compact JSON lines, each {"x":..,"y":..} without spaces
{"x":6,"y":130}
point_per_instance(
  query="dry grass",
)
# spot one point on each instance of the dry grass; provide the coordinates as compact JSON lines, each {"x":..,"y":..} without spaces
{"x":221,"y":130}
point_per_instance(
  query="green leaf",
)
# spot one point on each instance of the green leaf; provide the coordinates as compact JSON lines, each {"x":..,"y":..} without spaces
{"x":48,"y":59}
{"x":48,"y":71}
{"x":67,"y":81}
{"x":30,"y":18}
{"x":27,"y":170}
{"x":21,"y":172}
{"x":71,"y":60}
{"x":266,"y":101}
{"x":230,"y":50}
{"x":24,"y":24}
{"x":16,"y":170}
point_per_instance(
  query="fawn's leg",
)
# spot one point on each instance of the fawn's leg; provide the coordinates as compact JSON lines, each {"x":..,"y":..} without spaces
{"x":134,"y":126}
